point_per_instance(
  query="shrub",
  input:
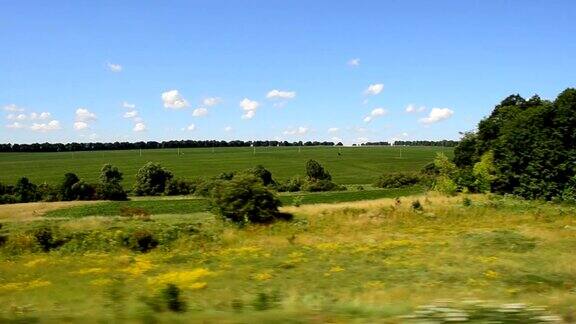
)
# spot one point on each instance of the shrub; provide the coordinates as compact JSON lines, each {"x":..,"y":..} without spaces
{"x":178,"y":187}
{"x":65,"y":191}
{"x":142,"y":241}
{"x":45,"y":238}
{"x":171,"y":296}
{"x":151,"y":179}
{"x":417,"y":206}
{"x":83,"y":191}
{"x":7,"y":199}
{"x":244,"y":199}
{"x":110,"y":187}
{"x":25,"y":191}
{"x":291,"y":185}
{"x":263,"y":174}
{"x":397,"y":180}
{"x":321,"y":185}
{"x":48,"y":192}
{"x":315,"y":171}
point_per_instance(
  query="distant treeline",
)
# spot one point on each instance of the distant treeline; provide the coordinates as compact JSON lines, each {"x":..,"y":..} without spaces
{"x":72,"y":147}
{"x":446,"y":143}
{"x":68,"y":147}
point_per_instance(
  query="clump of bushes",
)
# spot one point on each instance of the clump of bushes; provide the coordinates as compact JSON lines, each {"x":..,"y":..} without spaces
{"x":245,"y":199}
{"x":397,"y":180}
{"x":178,"y":187}
{"x":151,"y":180}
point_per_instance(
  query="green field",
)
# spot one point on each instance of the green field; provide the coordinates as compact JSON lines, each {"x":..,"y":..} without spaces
{"x":355,"y":165}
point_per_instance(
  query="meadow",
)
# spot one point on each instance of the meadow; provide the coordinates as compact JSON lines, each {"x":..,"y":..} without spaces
{"x":366,"y":261}
{"x":354,"y":165}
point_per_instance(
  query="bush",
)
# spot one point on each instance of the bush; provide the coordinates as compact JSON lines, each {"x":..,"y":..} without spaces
{"x":315,"y":171}
{"x":263,"y":174}
{"x":48,"y":192}
{"x":142,"y":241}
{"x":83,"y":191}
{"x":290,"y":185}
{"x":65,"y":190}
{"x":171,"y":296}
{"x":151,"y":179}
{"x":244,"y":199}
{"x":321,"y":185}
{"x":7,"y":199}
{"x":178,"y":187}
{"x":110,"y":187}
{"x":26,"y":191}
{"x":397,"y":180}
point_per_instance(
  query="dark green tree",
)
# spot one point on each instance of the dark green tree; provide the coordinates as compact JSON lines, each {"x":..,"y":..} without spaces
{"x":151,"y":179}
{"x":110,"y":186}
{"x":315,"y":171}
{"x":66,"y":193}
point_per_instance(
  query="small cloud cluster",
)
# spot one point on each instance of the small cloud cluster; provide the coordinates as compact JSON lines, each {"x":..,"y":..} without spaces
{"x":297,"y":131}
{"x":333,"y":130}
{"x":116,"y":68}
{"x":206,"y":103}
{"x":249,"y":107}
{"x":437,"y":115}
{"x":133,"y":115}
{"x":83,"y":118}
{"x":41,"y":122}
{"x":173,"y":100}
{"x":375,"y":113}
{"x":355,"y":62}
{"x":374,"y":89}
{"x":413,"y":109}
{"x":280,"y":97}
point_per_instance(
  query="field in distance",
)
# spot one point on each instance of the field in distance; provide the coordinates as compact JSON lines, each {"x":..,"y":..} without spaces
{"x":354,"y":165}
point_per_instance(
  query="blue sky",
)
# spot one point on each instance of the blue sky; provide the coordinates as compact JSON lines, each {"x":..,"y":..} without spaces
{"x":309,"y":70}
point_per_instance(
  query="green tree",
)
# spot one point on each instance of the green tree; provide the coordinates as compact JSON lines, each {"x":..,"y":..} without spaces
{"x":151,"y":179}
{"x":110,"y":183}
{"x":245,"y":199}
{"x":25,"y":191}
{"x":66,"y":193}
{"x":315,"y":171}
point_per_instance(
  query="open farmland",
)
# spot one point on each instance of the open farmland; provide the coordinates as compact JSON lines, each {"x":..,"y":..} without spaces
{"x":355,"y":165}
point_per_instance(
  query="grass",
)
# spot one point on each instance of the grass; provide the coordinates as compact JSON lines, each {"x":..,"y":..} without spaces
{"x":361,"y":261}
{"x":355,"y":165}
{"x":184,"y":205}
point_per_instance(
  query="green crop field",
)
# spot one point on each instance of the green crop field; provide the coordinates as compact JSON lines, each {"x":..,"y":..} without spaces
{"x":355,"y":165}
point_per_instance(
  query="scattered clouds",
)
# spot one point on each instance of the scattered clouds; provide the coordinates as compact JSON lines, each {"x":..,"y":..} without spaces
{"x":297,"y":131}
{"x":173,"y":100}
{"x":374,"y":89}
{"x":211,"y":101}
{"x":191,"y":127}
{"x":128,"y":105}
{"x":437,"y":115}
{"x":41,"y":116}
{"x":84,"y":115}
{"x":413,"y":109}
{"x":228,"y":129}
{"x":278,"y":94}
{"x":355,"y":62}
{"x":80,"y":125}
{"x":249,"y":107}
{"x":375,"y":113}
{"x":139,"y":127}
{"x":46,"y":127}
{"x":131,"y":114}
{"x":333,"y":130}
{"x":15,"y":125}
{"x":13,"y":108}
{"x":114,"y":67}
{"x":200,"y":112}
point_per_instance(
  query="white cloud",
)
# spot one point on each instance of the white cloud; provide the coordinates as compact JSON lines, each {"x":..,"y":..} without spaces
{"x":191,"y":127}
{"x":297,"y":131}
{"x":333,"y":130}
{"x":413,"y":109}
{"x":436,"y":115}
{"x":354,"y":62}
{"x":211,"y":101}
{"x":249,"y":107}
{"x":16,"y":117}
{"x":139,"y":127}
{"x":13,"y":108}
{"x":200,"y":112}
{"x":84,"y":115}
{"x":114,"y":67}
{"x":51,"y":126}
{"x":228,"y":129}
{"x":128,"y":105}
{"x":278,"y":94}
{"x":131,"y":114}
{"x":80,"y":125}
{"x":15,"y":125}
{"x":374,"y":89}
{"x":172,"y":99}
{"x":41,"y":116}
{"x":375,"y":113}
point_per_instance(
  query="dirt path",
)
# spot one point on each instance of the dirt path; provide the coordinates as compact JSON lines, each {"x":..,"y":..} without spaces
{"x":34,"y":211}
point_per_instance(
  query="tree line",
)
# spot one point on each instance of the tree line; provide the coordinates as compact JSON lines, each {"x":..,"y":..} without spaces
{"x":71,"y":147}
